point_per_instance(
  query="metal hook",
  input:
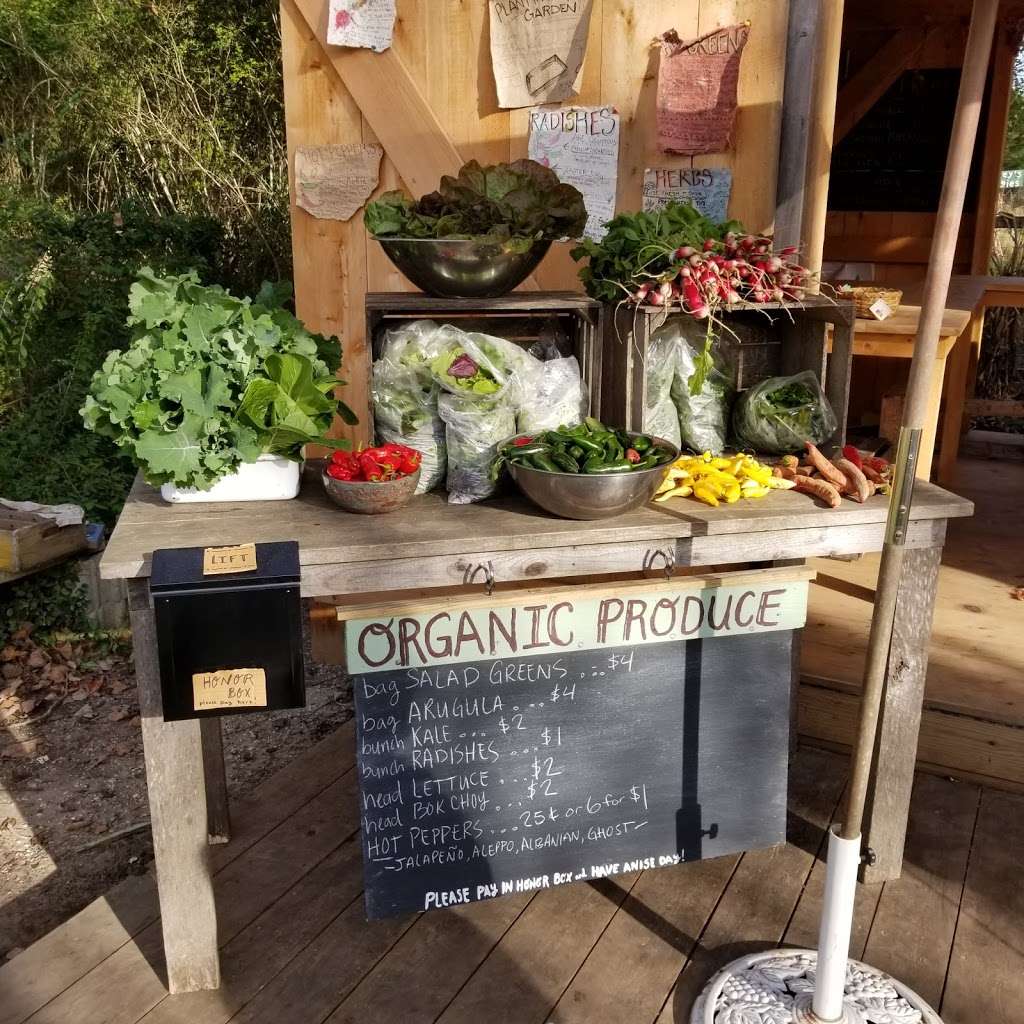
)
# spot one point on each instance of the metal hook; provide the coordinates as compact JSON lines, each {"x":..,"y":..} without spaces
{"x":470,"y":574}
{"x":667,"y":557}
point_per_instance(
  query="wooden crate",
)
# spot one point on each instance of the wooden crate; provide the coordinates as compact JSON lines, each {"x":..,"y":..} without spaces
{"x":29,"y":541}
{"x":766,"y":340}
{"x":520,"y":318}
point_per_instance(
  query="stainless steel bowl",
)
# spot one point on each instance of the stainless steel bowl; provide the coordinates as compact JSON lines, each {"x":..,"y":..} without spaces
{"x":461,"y":267}
{"x":592,"y":495}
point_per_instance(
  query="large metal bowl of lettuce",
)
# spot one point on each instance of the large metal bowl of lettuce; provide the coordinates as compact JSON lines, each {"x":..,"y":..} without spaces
{"x":480,"y":233}
{"x":472,"y":268}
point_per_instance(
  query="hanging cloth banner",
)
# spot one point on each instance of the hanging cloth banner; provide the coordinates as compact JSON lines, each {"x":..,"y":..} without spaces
{"x":365,"y":23}
{"x":697,"y":90}
{"x":581,"y":145}
{"x":537,"y":50}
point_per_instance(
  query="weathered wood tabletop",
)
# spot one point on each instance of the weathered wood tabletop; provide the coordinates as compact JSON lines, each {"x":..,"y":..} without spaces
{"x":432,"y":544}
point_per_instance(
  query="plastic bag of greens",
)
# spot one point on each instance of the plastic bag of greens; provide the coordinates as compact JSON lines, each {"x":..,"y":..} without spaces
{"x":660,"y":417}
{"x":552,"y":396}
{"x":702,"y":389}
{"x":480,"y":365}
{"x":473,"y":429}
{"x":782,"y":413}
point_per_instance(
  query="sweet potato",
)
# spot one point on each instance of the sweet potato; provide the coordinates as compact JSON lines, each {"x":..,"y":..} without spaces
{"x":856,"y":486}
{"x":805,"y":471}
{"x":831,"y":473}
{"x":786,"y":472}
{"x":872,"y":474}
{"x":820,"y":489}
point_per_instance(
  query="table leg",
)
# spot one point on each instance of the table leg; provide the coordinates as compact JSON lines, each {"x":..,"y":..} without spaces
{"x":900,"y":719}
{"x":218,"y":812}
{"x":177,"y":808}
{"x":956,"y":386}
{"x":931,"y":421}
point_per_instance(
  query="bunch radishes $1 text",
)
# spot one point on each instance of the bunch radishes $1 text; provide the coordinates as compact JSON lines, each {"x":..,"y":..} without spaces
{"x":678,"y":258}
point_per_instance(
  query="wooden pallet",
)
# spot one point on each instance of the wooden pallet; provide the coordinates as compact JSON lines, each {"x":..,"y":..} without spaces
{"x":29,"y":542}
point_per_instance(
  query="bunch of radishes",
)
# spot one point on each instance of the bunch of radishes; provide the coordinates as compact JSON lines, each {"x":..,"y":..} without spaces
{"x":723,"y":272}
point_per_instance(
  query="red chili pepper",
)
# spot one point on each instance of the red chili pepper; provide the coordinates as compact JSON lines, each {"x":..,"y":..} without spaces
{"x":878,"y":464}
{"x":410,"y":463}
{"x":633,"y":455}
{"x":850,"y":452}
{"x":369,"y":468}
{"x":339,"y":472}
{"x":520,"y":441}
{"x":343,"y":458}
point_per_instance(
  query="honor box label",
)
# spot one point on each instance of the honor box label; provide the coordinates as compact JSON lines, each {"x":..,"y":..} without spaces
{"x":229,"y":688}
{"x":240,"y":558}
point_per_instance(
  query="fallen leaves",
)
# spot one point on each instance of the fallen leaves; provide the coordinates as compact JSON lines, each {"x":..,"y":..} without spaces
{"x":20,"y":749}
{"x":1017,"y":593}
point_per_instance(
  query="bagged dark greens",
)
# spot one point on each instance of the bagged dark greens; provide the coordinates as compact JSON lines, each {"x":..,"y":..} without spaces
{"x":781,"y":414}
{"x":702,"y":389}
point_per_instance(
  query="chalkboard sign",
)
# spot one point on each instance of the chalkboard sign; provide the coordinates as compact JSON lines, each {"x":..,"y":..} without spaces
{"x":515,"y":746}
{"x":895,"y":156}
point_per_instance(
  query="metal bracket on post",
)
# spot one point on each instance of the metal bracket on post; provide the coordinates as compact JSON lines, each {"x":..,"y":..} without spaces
{"x":907,"y":453}
{"x":470,"y":574}
{"x":668,"y":559}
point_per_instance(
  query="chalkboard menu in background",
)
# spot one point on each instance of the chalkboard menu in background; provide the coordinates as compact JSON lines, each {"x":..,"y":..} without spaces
{"x":895,"y":156}
{"x":571,"y":755}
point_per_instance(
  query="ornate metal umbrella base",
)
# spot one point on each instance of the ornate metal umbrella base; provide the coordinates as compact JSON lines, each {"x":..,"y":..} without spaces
{"x":776,"y":987}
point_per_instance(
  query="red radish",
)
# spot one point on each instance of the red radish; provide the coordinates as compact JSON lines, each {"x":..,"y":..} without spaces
{"x":696,"y":260}
{"x":684,"y":252}
{"x":665,"y":290}
{"x":655,"y":299}
{"x":641,"y":292}
{"x":709,"y":244}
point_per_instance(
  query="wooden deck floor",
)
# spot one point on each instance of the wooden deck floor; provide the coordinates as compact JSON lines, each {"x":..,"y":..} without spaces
{"x":296,"y":948}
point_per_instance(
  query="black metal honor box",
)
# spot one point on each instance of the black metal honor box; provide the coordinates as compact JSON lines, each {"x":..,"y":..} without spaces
{"x":230,"y":642}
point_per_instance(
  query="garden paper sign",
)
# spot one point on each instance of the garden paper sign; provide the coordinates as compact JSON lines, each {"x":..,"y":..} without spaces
{"x":364,"y":23}
{"x":537,"y":49}
{"x":581,"y":145}
{"x":706,"y":188}
{"x":332,"y":182}
{"x":697,"y":90}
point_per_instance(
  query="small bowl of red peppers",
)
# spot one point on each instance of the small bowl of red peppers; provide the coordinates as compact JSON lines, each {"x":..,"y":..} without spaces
{"x":373,"y":480}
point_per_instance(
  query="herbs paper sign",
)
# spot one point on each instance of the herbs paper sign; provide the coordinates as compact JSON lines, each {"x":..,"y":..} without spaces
{"x":581,"y":145}
{"x":537,"y":49}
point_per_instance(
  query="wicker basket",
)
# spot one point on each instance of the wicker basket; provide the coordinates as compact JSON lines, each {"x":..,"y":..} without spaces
{"x":864,"y":296}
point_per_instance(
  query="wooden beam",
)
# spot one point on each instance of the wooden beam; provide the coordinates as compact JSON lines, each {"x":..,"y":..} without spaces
{"x":801,"y":47}
{"x":820,"y":129}
{"x":999,"y":93}
{"x":870,"y":82}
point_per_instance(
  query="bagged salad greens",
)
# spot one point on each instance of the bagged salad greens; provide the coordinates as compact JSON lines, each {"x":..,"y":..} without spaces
{"x":702,"y":388}
{"x":660,"y":416}
{"x":474,"y":428}
{"x":555,"y":397}
{"x":453,"y":395}
{"x":781,"y":414}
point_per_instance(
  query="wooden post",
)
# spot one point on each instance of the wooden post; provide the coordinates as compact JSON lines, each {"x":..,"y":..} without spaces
{"x":820,"y":129}
{"x":899,"y":723}
{"x":801,"y":50}
{"x":177,"y":810}
{"x":218,"y":813}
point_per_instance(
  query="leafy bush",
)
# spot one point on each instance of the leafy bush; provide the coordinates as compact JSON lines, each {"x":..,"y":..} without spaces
{"x":78,"y":314}
{"x":48,"y":600}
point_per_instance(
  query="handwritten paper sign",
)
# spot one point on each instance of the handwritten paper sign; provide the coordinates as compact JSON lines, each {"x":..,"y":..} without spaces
{"x":229,"y":688}
{"x":365,"y":23}
{"x":510,"y":748}
{"x":239,"y":558}
{"x":706,"y":188}
{"x":697,"y":80}
{"x":537,"y":49}
{"x":581,"y":145}
{"x":333,"y":182}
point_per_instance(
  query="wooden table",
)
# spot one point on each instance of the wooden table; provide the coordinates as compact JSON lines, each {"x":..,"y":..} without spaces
{"x":956,"y":362}
{"x":432,"y":544}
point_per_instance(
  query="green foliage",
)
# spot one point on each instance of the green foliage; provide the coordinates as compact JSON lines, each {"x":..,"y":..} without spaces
{"x":48,"y":600}
{"x":518,"y":202}
{"x":210,"y":381}
{"x":174,"y":108}
{"x":78,"y":316}
{"x":1013,"y":154}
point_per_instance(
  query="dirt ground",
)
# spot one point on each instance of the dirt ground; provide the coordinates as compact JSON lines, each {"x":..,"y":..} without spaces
{"x":73,"y":809}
